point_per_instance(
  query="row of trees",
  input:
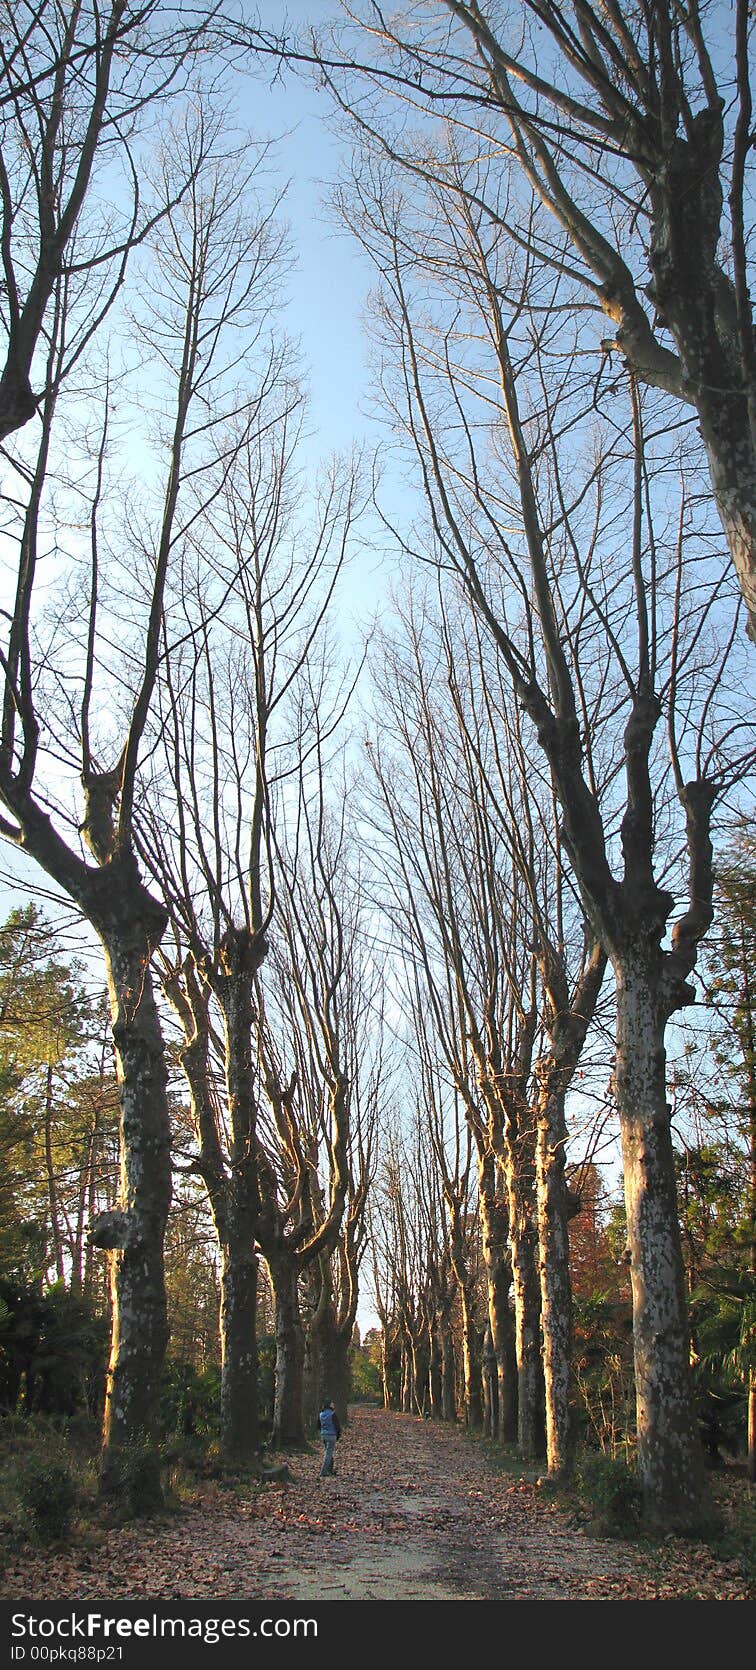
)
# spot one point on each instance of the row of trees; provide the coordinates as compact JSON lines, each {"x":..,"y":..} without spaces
{"x":425,"y":1220}
{"x":60,"y":1145}
{"x":511,"y":1008}
{"x":557,"y":727}
{"x":513,"y":177}
{"x":170,"y":702}
{"x":434,"y":1231}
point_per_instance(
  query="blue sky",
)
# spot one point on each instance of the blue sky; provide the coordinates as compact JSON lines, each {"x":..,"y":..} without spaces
{"x":330,"y":278}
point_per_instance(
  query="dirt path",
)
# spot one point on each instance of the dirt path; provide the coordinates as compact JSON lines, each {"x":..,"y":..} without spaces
{"x":417,"y":1511}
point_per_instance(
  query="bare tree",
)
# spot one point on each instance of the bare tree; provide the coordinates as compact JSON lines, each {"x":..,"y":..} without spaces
{"x":571,"y":964}
{"x":321,"y":1018}
{"x":76,"y":715}
{"x":459,"y":911}
{"x":468,"y":818}
{"x":335,"y":1004}
{"x":383,"y":1264}
{"x":599,"y":646}
{"x":401,"y":1180}
{"x":451,"y":1140}
{"x":631,"y":126}
{"x":79,"y":90}
{"x":244,"y":694}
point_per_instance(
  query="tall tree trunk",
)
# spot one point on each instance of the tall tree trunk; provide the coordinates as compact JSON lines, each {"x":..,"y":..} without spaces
{"x":670,"y":1458}
{"x":322,"y":1367}
{"x":490,"y":1386}
{"x":129,"y":924}
{"x":86,"y":1179}
{"x":569,"y":1018}
{"x":385,"y":1368}
{"x":420,"y":1367}
{"x":527,"y":1296}
{"x":308,"y":1307}
{"x":471,"y":1364}
{"x":448,"y":1398}
{"x":471,"y":1369}
{"x":751,"y":1064}
{"x":52,"y":1186}
{"x":239,"y":1415}
{"x":288,"y":1408}
{"x":556,"y":1286}
{"x":435,"y":1371}
{"x":135,"y":1233}
{"x":241,"y":957}
{"x":495,"y":1227}
{"x":330,"y":1361}
{"x":406,"y":1377}
{"x":232,"y":1192}
{"x":341,"y":1372}
{"x":88,"y":1277}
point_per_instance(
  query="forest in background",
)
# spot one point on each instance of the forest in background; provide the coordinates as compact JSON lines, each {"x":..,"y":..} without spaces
{"x":428,"y":961}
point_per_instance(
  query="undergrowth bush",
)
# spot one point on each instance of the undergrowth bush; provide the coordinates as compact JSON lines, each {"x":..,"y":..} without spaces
{"x":612,"y":1490}
{"x":130,"y":1478}
{"x":48,"y":1495}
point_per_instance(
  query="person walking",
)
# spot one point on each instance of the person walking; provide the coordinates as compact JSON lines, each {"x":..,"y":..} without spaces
{"x":329,"y":1428}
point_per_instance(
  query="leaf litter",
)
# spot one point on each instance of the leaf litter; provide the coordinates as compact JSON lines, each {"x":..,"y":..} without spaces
{"x":418,"y":1510}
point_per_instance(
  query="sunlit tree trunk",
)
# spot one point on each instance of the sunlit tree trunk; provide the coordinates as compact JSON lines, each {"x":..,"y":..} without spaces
{"x":556,"y":1286}
{"x":471,"y":1358}
{"x":52,"y":1182}
{"x":448,"y":1398}
{"x":435,"y":1352}
{"x":523,"y":1235}
{"x":385,"y":1385}
{"x":135,"y":1232}
{"x":490,"y":1385}
{"x":495,"y":1227}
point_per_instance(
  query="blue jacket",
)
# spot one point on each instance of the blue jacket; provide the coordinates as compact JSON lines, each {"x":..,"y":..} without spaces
{"x":328,"y":1423}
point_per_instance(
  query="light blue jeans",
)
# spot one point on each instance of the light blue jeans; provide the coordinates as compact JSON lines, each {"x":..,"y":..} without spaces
{"x":329,"y":1445}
